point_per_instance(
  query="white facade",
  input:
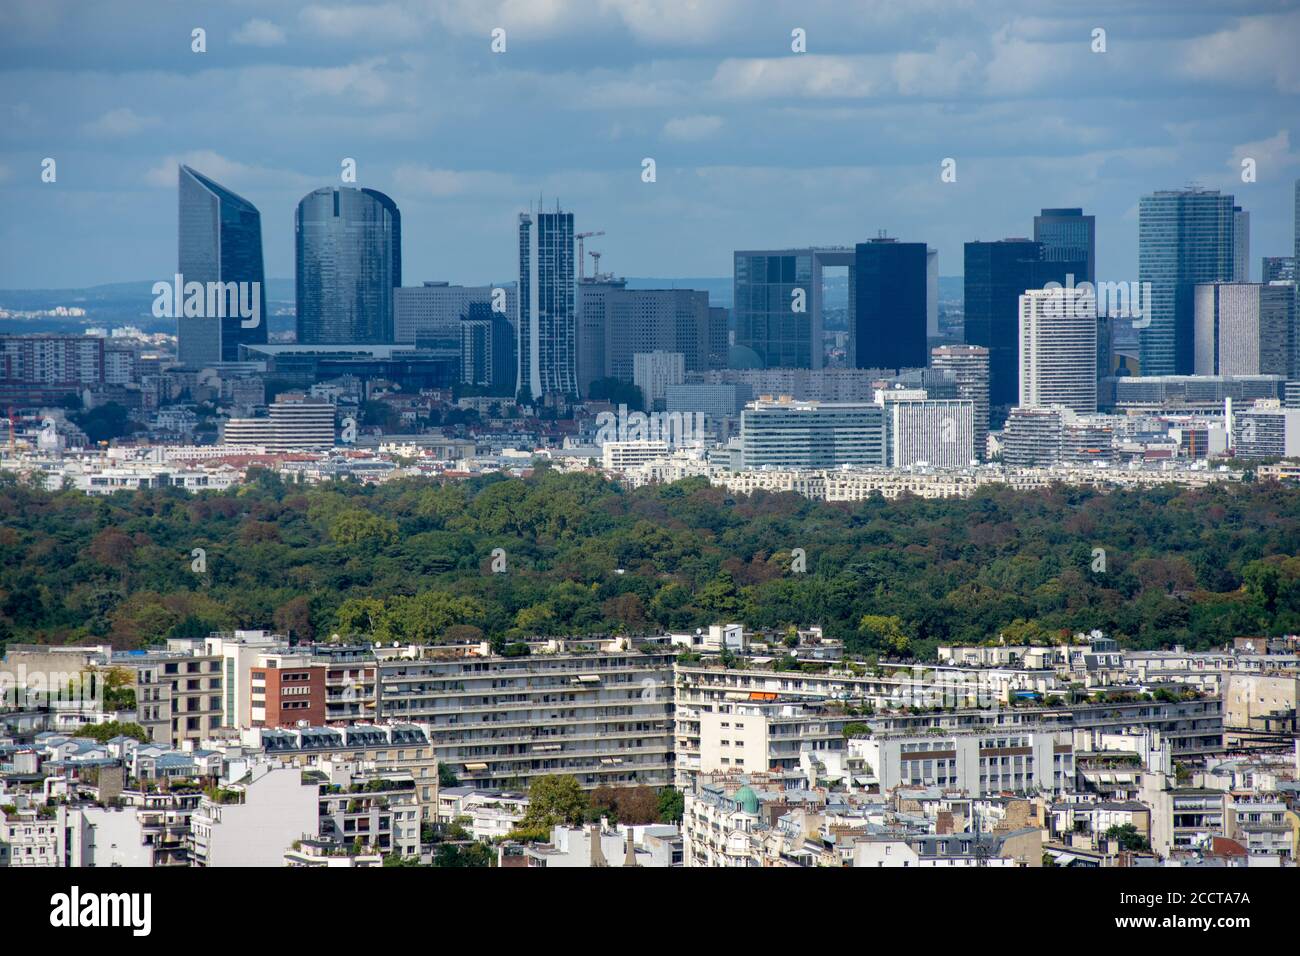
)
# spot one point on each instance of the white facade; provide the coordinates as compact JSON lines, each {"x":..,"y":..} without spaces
{"x":1058,"y":348}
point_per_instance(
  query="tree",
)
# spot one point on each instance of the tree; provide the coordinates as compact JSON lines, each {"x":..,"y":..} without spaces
{"x":672,"y":805}
{"x":554,"y":800}
{"x":105,"y":732}
{"x":1128,"y":837}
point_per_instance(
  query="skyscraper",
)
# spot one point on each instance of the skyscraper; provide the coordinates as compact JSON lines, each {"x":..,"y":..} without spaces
{"x":219,"y":240}
{"x":890,"y":304}
{"x":968,"y":366}
{"x":547,"y":326}
{"x":1240,"y":245}
{"x":1185,"y":236}
{"x":348,"y":262}
{"x":997,"y":275}
{"x":1068,"y":235}
{"x":1245,"y":328}
{"x":1058,"y":349}
{"x":778,"y":304}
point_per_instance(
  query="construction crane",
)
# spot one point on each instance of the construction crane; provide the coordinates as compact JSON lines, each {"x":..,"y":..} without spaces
{"x":582,"y":251}
{"x":595,"y":265}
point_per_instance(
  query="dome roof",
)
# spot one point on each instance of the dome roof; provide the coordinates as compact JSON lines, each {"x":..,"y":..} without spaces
{"x":747,"y":799}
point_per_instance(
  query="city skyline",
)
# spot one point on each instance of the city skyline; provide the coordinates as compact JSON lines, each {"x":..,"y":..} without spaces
{"x":698,"y":89}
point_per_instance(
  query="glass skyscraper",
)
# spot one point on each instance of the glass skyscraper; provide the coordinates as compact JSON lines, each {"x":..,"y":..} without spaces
{"x":889,"y":310}
{"x":348,"y":245}
{"x":1185,"y":236}
{"x":778,"y":304}
{"x":547,"y":322}
{"x":219,"y":239}
{"x":997,"y":275}
{"x":1068,"y":235}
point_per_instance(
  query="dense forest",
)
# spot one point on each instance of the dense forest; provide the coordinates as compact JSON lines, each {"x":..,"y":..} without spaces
{"x":413,"y":561}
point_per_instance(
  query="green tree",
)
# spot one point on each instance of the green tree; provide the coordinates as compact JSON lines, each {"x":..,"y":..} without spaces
{"x":553,"y":800}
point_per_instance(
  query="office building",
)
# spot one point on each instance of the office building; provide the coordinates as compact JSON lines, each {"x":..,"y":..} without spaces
{"x":487,"y":349}
{"x":547,"y":325}
{"x":1266,"y":430}
{"x":1185,"y":237}
{"x":295,"y":422}
{"x":1033,"y":436}
{"x":593,"y":327}
{"x":1058,"y":348}
{"x":778,"y":304}
{"x":968,"y":367}
{"x":717,"y":402}
{"x":1067,"y":235}
{"x":348,"y":245}
{"x":803,"y":435}
{"x":932,"y":292}
{"x":618,"y":323}
{"x":997,"y":275}
{"x":890,"y":311}
{"x":935,"y":432}
{"x":219,"y":241}
{"x":1245,"y":328}
{"x":653,"y":372}
{"x":1278,"y":269}
{"x":1240,"y":245}
{"x":428,"y":316}
{"x":601,"y":711}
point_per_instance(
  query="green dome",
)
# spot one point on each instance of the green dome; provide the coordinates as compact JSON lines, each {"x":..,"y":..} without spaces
{"x":747,"y":799}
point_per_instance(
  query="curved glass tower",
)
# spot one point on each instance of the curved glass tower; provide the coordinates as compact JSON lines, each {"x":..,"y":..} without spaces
{"x":348,"y":246}
{"x":219,"y":240}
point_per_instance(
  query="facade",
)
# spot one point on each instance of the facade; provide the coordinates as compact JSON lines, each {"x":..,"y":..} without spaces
{"x":997,"y":275}
{"x":1278,"y":269}
{"x":654,"y":373}
{"x":487,"y":350}
{"x":889,"y":312}
{"x":599,"y":711}
{"x":979,"y":762}
{"x":1185,"y":237}
{"x":70,"y":362}
{"x":968,"y":367}
{"x":219,"y":240}
{"x":791,"y":434}
{"x":1266,"y":430}
{"x":295,"y":422}
{"x":778,"y":304}
{"x":1058,"y":348}
{"x":1240,"y":245}
{"x":255,"y":823}
{"x":429,"y":315}
{"x":348,"y":246}
{"x":547,"y":320}
{"x":935,"y":432}
{"x":593,"y":323}
{"x":1067,"y":235}
{"x":284,"y":689}
{"x":1034,"y":436}
{"x":1245,"y":328}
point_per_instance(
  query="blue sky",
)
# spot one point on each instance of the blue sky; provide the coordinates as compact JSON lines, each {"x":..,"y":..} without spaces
{"x":754,"y":145}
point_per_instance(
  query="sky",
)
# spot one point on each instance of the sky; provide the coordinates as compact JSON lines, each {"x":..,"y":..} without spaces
{"x":755,"y":145}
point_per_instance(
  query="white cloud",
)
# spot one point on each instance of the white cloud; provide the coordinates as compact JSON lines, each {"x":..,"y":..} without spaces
{"x":258,"y":33}
{"x":687,"y":128}
{"x":383,"y":21}
{"x":1249,"y":51}
{"x":805,"y":75}
{"x":1269,"y":154}
{"x":229,"y":172}
{"x":445,"y":183}
{"x":119,"y":122}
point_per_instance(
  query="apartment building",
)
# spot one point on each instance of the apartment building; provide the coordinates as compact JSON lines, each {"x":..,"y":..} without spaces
{"x":981,"y":763}
{"x":599,"y":710}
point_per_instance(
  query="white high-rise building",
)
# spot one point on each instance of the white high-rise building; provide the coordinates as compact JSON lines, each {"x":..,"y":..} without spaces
{"x":935,"y":432}
{"x":1058,"y":348}
{"x":653,"y":372}
{"x":968,"y":366}
{"x":1244,"y":328}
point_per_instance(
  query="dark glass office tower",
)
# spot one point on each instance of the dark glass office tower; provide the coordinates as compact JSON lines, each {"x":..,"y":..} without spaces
{"x":889,"y":315}
{"x":1185,"y":236}
{"x":349,"y":260}
{"x":219,"y":240}
{"x":1068,"y":235}
{"x":547,"y":321}
{"x":997,"y":275}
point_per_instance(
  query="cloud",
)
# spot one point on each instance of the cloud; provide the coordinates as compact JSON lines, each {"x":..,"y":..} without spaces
{"x":257,"y":32}
{"x":391,"y":22}
{"x":119,"y":122}
{"x":687,"y":128}
{"x":1244,"y":53}
{"x":1269,"y":154}
{"x":445,"y":183}
{"x":804,"y":75}
{"x":228,"y":172}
